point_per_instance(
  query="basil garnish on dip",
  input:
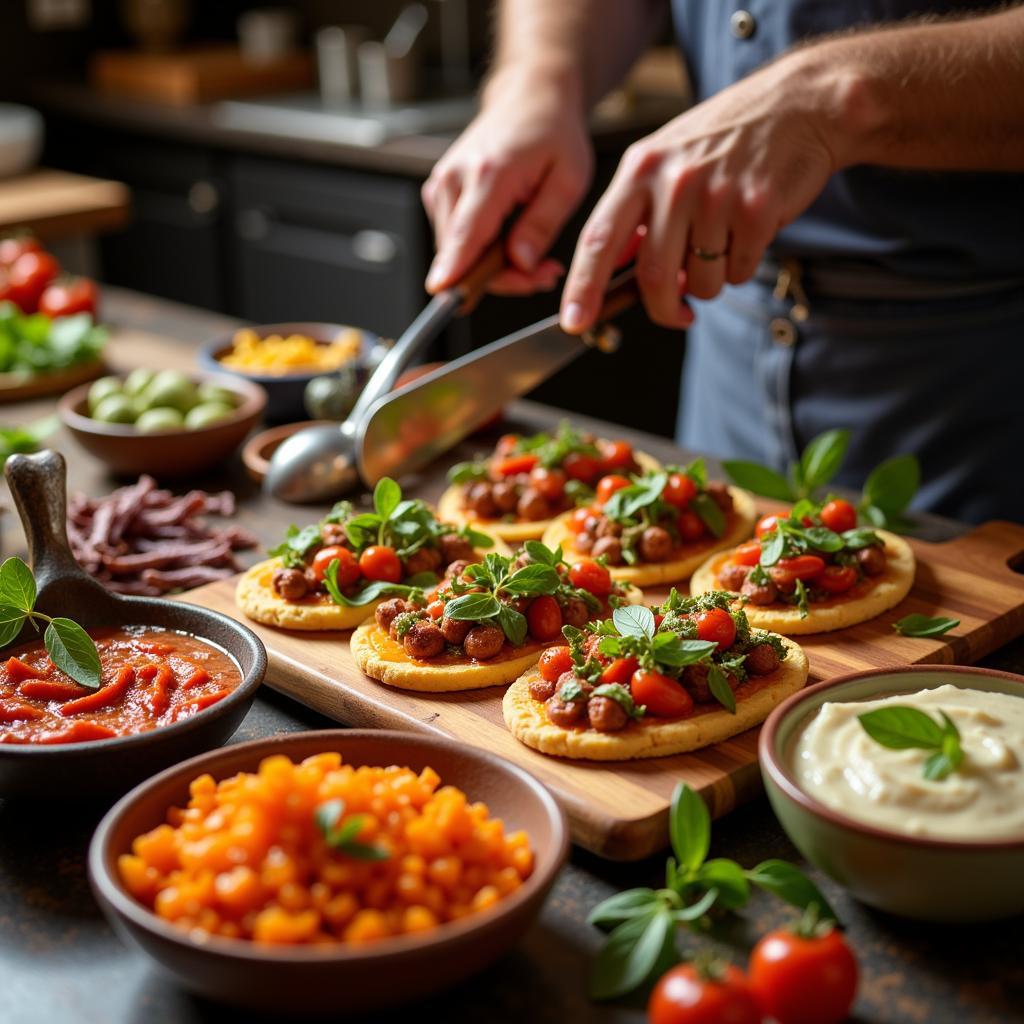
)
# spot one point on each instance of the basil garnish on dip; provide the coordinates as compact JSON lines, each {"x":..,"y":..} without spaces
{"x":900,"y":727}
{"x":70,"y":648}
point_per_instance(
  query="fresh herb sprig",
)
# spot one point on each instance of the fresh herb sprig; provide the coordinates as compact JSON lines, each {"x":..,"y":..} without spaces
{"x":70,"y":648}
{"x":341,"y":835}
{"x":643,"y":923}
{"x":551,"y":450}
{"x":412,"y":590}
{"x":922,"y":626}
{"x":900,"y":727}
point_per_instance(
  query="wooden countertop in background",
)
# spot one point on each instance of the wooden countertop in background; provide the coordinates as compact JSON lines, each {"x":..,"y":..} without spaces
{"x":58,"y":204}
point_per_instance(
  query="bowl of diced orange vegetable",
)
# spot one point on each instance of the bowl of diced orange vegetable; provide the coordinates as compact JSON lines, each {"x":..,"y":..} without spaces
{"x":321,"y":871}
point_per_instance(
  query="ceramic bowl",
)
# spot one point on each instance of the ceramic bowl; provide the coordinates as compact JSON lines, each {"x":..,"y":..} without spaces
{"x":107,"y":767}
{"x":927,"y":879}
{"x":285,"y":391}
{"x":167,"y":454}
{"x":288,"y":980}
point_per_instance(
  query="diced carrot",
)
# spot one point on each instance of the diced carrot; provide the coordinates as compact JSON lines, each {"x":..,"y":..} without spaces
{"x":12,"y":712}
{"x":17,"y":670}
{"x":197,"y":678}
{"x":201,"y":703}
{"x":112,"y":693}
{"x":77,"y":732}
{"x":50,"y":689}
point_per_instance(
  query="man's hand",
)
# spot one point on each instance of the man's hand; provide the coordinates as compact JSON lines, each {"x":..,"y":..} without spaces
{"x":716,"y":182}
{"x":528,"y":147}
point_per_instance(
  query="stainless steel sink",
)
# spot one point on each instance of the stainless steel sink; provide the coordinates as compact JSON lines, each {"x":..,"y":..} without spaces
{"x":307,"y":116}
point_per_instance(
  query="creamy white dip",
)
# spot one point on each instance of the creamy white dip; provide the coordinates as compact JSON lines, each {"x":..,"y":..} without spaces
{"x":839,"y":764}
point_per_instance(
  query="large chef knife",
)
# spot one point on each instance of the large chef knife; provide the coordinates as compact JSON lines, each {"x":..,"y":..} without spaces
{"x":409,"y":428}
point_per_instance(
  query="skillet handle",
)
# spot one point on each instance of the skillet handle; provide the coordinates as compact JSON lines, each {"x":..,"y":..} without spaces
{"x":39,"y":487}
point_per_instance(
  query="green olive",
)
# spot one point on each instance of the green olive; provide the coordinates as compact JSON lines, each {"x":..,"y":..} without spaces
{"x":207,"y":414}
{"x":170,"y":389}
{"x":137,"y":381}
{"x":115,"y":409}
{"x":210,"y":392}
{"x":103,"y":388}
{"x":161,"y":418}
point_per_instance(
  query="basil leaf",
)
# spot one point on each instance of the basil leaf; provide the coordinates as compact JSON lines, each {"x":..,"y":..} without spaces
{"x":532,"y":580}
{"x":622,"y":906}
{"x":802,"y":509}
{"x":695,"y":911}
{"x":513,"y":623}
{"x":17,"y":585}
{"x":364,"y":851}
{"x":327,"y":814}
{"x":480,"y":541}
{"x":622,"y":697}
{"x":938,"y":766}
{"x":644,"y":492}
{"x":539,"y":553}
{"x":465,"y":472}
{"x":369,"y":593}
{"x":720,"y":689}
{"x":923,"y":626}
{"x":772,"y":546}
{"x":874,"y":515}
{"x":900,"y":727}
{"x":72,"y":650}
{"x":891,"y":486}
{"x":822,"y":539}
{"x":11,"y":621}
{"x":710,"y":514}
{"x":728,"y":878}
{"x":570,"y":691}
{"x":689,"y":828}
{"x":634,"y":620}
{"x":860,"y":538}
{"x":759,"y":479}
{"x":822,"y":458}
{"x":630,"y":954}
{"x":677,"y":652}
{"x":471,"y":607}
{"x":386,"y":496}
{"x":801,"y":598}
{"x":789,"y":883}
{"x":697,"y":471}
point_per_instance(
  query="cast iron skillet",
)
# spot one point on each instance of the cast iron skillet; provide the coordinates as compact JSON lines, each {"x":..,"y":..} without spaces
{"x":109,"y":767}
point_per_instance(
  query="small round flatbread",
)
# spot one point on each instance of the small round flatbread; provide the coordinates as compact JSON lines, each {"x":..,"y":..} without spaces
{"x":678,"y":569}
{"x":872,"y":596}
{"x":527,"y":719}
{"x":451,"y":510}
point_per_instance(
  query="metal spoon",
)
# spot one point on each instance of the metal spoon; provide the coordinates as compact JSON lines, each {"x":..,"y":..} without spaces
{"x":319,"y":464}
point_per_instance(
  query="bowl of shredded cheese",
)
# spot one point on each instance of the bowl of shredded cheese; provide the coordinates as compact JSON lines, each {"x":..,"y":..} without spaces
{"x":284,"y":358}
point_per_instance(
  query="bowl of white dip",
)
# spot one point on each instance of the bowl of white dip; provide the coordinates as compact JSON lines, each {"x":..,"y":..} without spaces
{"x":865,"y":811}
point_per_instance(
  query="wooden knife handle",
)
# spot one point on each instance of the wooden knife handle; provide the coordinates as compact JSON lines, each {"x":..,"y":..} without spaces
{"x":471,"y":287}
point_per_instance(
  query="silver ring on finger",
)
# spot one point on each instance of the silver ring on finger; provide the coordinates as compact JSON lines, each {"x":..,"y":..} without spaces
{"x":708,"y":255}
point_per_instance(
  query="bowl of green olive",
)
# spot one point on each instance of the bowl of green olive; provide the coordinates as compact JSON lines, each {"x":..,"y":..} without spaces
{"x":163,"y":422}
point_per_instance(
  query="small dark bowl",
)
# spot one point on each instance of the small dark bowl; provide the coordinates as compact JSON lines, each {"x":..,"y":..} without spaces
{"x":103,"y":768}
{"x":338,"y":978}
{"x":285,"y":391}
{"x":165,"y":454}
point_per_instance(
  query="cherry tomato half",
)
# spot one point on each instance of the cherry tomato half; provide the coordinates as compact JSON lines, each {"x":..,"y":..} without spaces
{"x":544,"y":618}
{"x":581,"y":466}
{"x":800,"y":980}
{"x":615,"y":454}
{"x":589,"y":575}
{"x":679,"y":490}
{"x":839,"y":515}
{"x":802,"y":567}
{"x":435,"y":609}
{"x":620,"y":671}
{"x":549,"y":482}
{"x":716,"y":624}
{"x":686,"y":995}
{"x":29,"y":275}
{"x":67,"y":296}
{"x":511,"y":465}
{"x":836,"y":579}
{"x":13,"y":246}
{"x":577,"y":522}
{"x":661,"y":695}
{"x":608,"y":485}
{"x":379,"y":562}
{"x":748,"y":553}
{"x":691,"y":526}
{"x":348,"y":567}
{"x":553,"y":662}
{"x":767,"y":523}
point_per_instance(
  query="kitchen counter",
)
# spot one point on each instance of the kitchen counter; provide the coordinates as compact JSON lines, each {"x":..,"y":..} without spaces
{"x":60,"y":961}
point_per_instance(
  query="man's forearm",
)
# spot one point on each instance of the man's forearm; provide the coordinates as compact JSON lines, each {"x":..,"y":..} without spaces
{"x":586,"y":44}
{"x":944,"y":95}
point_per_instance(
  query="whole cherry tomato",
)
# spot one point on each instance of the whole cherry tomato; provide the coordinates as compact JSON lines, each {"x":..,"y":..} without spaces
{"x":835,"y":579}
{"x":553,"y":662}
{"x":716,"y":624}
{"x":13,"y":246}
{"x":608,"y":485}
{"x":577,"y":522}
{"x":549,"y":482}
{"x":590,"y":575}
{"x":581,"y":466}
{"x":748,"y":553}
{"x":620,"y":671}
{"x":691,"y":526}
{"x":767,"y":523}
{"x":679,"y":490}
{"x":30,"y":273}
{"x":800,"y":979}
{"x":506,"y":444}
{"x":801,"y":567}
{"x":511,"y":465}
{"x":69,"y":295}
{"x":379,"y":562}
{"x":544,"y":618}
{"x":661,"y":695}
{"x":348,"y":567}
{"x":615,"y":454}
{"x":689,"y":995}
{"x":839,"y":515}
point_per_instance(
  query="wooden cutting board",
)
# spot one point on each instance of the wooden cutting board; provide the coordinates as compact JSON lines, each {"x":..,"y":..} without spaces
{"x":620,"y":811}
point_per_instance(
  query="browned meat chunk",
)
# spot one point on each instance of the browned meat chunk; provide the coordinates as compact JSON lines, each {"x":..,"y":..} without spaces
{"x":720,"y":495}
{"x":426,"y":559}
{"x":480,"y":500}
{"x":575,"y":612}
{"x":759,"y":593}
{"x":506,"y":495}
{"x":454,"y":630}
{"x":655,"y":544}
{"x":541,"y":689}
{"x":762,"y":660}
{"x":483,"y":642}
{"x":388,"y":610}
{"x":606,"y":715}
{"x":455,"y":548}
{"x":533,"y":505}
{"x":565,"y":713}
{"x":610,"y":548}
{"x":583,"y":542}
{"x":423,"y":640}
{"x":871,"y":560}
{"x":732,"y":576}
{"x":290,"y":584}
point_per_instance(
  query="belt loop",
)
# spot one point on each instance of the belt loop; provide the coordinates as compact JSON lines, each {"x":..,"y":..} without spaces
{"x":789,"y":285}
